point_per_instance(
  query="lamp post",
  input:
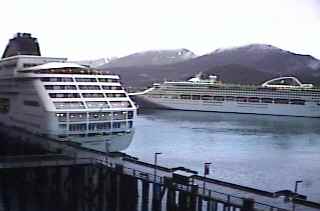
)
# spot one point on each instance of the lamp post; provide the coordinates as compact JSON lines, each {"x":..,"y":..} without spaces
{"x":206,"y":171}
{"x":295,"y":194}
{"x":155,"y":165}
{"x":296,"y":186}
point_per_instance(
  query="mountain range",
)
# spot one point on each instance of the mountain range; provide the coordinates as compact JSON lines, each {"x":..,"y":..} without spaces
{"x":250,"y":64}
{"x":160,"y":57}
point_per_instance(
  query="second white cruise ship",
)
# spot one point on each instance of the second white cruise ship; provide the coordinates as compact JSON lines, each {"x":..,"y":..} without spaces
{"x":280,"y":96}
{"x":65,"y":101}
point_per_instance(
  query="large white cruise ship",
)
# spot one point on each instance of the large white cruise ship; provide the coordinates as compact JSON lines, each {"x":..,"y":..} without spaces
{"x":61,"y":100}
{"x":280,"y":96}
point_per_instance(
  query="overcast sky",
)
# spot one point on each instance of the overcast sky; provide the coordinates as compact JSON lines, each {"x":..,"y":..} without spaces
{"x":88,"y":29}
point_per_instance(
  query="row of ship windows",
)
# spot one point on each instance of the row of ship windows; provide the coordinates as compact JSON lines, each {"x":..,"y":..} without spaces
{"x":231,"y":98}
{"x":74,"y":105}
{"x":69,"y":71}
{"x":69,"y":79}
{"x":90,"y":134}
{"x":96,"y":126}
{"x":86,"y":95}
{"x":81,"y":87}
{"x":256,"y":92}
{"x":95,"y":116}
{"x":241,"y":88}
{"x":92,"y":104}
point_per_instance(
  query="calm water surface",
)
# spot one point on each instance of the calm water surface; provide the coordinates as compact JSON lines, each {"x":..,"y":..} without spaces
{"x":266,"y":152}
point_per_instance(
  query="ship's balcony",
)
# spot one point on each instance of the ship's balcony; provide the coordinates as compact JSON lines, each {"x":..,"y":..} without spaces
{"x":94,"y":116}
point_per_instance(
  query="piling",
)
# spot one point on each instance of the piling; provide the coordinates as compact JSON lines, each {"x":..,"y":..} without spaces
{"x":128,"y":193}
{"x":156,"y":197}
{"x":171,"y":200}
{"x":199,"y":203}
{"x":212,"y":205}
{"x":193,"y":198}
{"x":248,"y":204}
{"x":112,"y":191}
{"x":145,"y":195}
{"x":182,"y":201}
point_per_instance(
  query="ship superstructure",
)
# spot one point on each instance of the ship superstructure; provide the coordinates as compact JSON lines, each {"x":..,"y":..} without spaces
{"x":280,"y":96}
{"x":65,"y":101}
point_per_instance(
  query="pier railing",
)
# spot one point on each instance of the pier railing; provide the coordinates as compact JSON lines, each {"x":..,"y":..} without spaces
{"x":203,"y":192}
{"x":43,"y":160}
{"x":191,"y":187}
{"x":164,"y":178}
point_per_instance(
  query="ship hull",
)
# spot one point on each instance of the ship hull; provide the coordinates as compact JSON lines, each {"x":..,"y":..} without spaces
{"x":44,"y":123}
{"x":111,"y":143}
{"x":310,"y":109}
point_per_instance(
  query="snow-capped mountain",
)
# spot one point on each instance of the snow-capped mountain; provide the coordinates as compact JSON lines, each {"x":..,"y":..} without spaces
{"x":266,"y":58}
{"x":147,"y":58}
{"x":252,"y":64}
{"x":250,"y":47}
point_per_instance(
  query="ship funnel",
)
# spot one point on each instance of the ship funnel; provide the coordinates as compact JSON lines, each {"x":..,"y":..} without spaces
{"x":22,"y":44}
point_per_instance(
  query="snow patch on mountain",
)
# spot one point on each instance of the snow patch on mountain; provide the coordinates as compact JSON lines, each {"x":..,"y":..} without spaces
{"x":171,"y":53}
{"x":152,"y":57}
{"x":249,"y":47}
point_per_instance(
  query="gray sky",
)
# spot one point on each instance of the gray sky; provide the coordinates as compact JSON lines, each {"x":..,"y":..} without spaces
{"x":83,"y":29}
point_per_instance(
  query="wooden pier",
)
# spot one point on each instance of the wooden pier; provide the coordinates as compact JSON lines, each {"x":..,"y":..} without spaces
{"x":65,"y":176}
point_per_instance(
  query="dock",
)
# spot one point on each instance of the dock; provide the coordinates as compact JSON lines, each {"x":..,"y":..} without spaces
{"x":66,"y":176}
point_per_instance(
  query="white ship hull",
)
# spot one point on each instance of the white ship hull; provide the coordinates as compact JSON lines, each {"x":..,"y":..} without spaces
{"x":50,"y":97}
{"x":43,"y":123}
{"x":310,"y":109}
{"x":112,"y":143}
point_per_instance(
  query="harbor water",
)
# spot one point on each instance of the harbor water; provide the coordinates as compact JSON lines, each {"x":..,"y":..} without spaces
{"x":266,"y":152}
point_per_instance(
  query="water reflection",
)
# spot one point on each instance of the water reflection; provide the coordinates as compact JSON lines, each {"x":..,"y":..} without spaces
{"x":249,"y":124}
